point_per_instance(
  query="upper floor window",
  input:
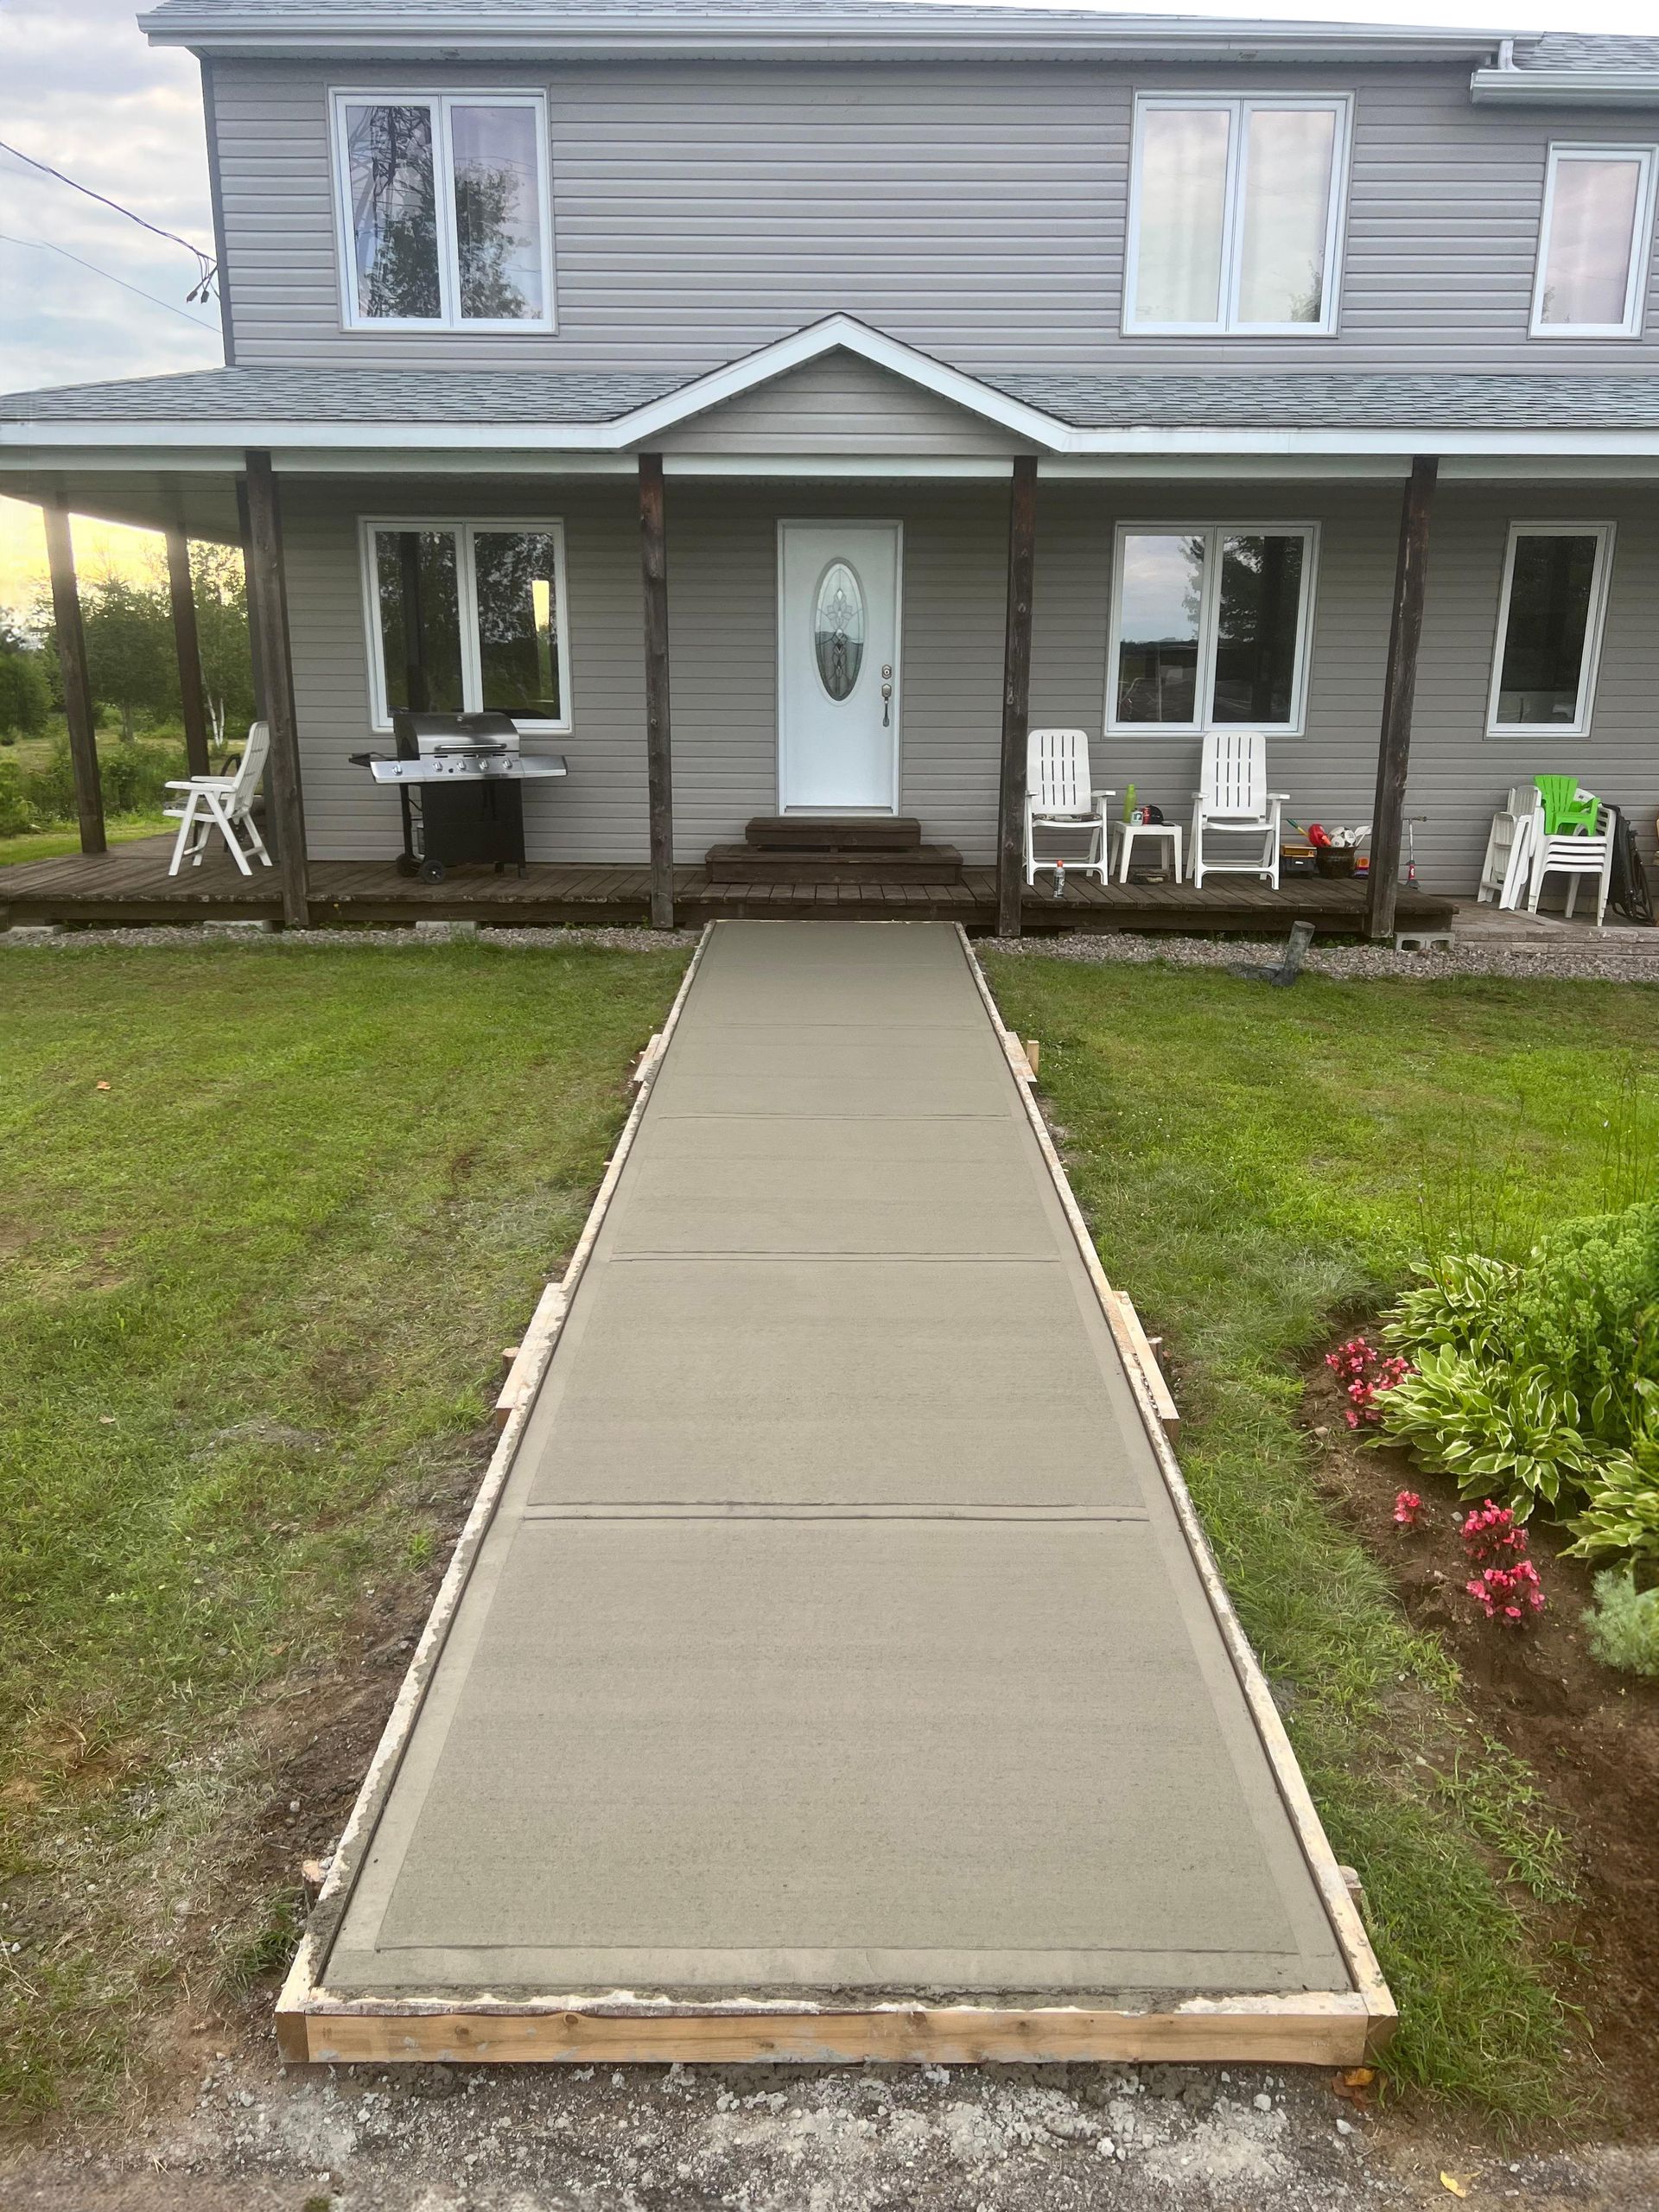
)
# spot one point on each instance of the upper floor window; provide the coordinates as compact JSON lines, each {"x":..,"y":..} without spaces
{"x":1210,"y":624}
{"x":1594,"y":242}
{"x":443,"y":210}
{"x":1235,"y":214}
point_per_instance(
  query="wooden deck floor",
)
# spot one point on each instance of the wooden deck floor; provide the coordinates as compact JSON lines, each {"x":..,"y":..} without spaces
{"x":131,"y":885}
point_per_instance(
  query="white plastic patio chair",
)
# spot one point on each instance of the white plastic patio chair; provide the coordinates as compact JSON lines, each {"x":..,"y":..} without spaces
{"x":225,"y":804}
{"x":1234,"y":800}
{"x":1574,"y":855}
{"x":1058,"y":796}
{"x":1505,"y":871}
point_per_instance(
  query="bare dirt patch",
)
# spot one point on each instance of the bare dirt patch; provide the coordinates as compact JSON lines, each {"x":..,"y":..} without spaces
{"x":1590,"y":1734}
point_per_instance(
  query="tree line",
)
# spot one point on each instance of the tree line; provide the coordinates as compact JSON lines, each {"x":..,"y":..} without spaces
{"x":130,"y":654}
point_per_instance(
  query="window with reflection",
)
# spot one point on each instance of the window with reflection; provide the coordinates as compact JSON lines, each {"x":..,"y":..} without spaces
{"x":468,"y":616}
{"x":1549,"y":627}
{"x":1236,"y":208}
{"x":1594,"y":242}
{"x":1210,"y":626}
{"x":444,"y":210}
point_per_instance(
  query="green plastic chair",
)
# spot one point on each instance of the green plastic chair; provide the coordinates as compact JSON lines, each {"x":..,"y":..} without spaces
{"x":1568,"y":810}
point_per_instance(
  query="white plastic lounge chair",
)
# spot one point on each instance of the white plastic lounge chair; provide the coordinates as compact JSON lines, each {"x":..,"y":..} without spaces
{"x":1234,"y":801}
{"x":225,"y":804}
{"x":1574,"y":855}
{"x":1057,"y":797}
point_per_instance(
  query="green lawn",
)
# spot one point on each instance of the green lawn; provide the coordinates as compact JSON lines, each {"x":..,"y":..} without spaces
{"x":1260,"y":1167}
{"x":253,"y":1296}
{"x":53,"y":844}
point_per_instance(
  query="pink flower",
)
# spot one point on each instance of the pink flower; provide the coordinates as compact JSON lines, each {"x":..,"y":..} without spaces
{"x":1509,"y":1595}
{"x":1408,"y":1509}
{"x":1365,"y":1373}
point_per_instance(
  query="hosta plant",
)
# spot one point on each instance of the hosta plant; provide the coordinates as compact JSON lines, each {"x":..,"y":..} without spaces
{"x":1621,"y":1516}
{"x":1491,"y":1429}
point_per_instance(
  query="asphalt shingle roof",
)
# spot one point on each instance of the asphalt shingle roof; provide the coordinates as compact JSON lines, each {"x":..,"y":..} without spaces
{"x":505,"y":396}
{"x":1300,"y":400}
{"x":1327,"y":400}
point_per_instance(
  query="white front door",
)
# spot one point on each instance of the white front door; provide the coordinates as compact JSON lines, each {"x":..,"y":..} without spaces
{"x":838,"y":667}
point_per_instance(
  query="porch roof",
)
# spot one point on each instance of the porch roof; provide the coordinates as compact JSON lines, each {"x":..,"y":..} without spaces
{"x":284,"y":405}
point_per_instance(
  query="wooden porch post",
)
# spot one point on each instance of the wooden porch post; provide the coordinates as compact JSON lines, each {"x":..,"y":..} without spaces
{"x":77,"y":683}
{"x":1016,"y":696}
{"x":192,"y":703}
{"x":268,"y":609}
{"x":660,"y":768}
{"x":1399,"y":689}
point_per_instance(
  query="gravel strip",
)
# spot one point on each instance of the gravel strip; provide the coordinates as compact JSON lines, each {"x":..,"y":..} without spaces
{"x":21,"y":939}
{"x":1608,"y":961}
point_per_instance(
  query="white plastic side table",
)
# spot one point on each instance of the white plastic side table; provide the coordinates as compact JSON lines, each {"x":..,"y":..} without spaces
{"x":1125,"y":834}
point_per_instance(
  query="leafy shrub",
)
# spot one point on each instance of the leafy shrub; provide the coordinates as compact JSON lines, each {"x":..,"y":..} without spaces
{"x":25,"y":700}
{"x":132,"y":778}
{"x":1491,"y":1428}
{"x":1623,"y":1624}
{"x":16,"y":812}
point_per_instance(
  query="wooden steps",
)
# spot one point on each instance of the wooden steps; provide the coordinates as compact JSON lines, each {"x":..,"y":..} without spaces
{"x":848,"y":849}
{"x":879,"y":833}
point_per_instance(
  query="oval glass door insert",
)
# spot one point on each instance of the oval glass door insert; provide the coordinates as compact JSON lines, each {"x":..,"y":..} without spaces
{"x":838,"y":629}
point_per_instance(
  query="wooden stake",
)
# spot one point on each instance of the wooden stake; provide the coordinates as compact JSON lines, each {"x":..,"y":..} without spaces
{"x":1016,"y":696}
{"x":1399,"y":690}
{"x":659,"y":766}
{"x":77,"y":683}
{"x":187,"y":644}
{"x":268,"y":591}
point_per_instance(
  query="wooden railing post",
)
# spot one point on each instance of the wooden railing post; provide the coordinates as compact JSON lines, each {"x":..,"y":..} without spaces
{"x":192,"y":705}
{"x":659,"y":766}
{"x":78,"y":711}
{"x":268,"y":607}
{"x":1016,"y":696}
{"x":1399,"y":691}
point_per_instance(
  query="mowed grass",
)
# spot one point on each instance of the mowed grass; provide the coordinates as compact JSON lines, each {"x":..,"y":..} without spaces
{"x":57,"y":845}
{"x":1259,"y":1166}
{"x":266,"y":1216}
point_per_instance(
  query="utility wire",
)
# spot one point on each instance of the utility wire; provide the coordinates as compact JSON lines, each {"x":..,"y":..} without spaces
{"x":208,"y":269}
{"x":6,"y":239}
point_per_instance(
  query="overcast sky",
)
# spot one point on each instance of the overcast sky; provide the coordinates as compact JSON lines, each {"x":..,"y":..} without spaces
{"x":80,"y":88}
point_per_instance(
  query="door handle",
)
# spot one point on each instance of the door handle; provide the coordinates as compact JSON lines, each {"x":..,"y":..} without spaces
{"x":886,"y":706}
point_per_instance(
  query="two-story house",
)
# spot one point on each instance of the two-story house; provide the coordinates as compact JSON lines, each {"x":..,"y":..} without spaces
{"x":967,"y":368}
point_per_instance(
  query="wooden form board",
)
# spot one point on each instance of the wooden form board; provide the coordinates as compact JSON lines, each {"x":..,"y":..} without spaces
{"x":1321,"y":2028}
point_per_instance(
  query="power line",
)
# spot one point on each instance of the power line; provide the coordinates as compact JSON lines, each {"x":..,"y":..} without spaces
{"x":206,"y":267}
{"x":48,"y":246}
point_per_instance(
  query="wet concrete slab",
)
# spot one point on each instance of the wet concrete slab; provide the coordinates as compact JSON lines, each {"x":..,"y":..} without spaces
{"x":836,"y":1630}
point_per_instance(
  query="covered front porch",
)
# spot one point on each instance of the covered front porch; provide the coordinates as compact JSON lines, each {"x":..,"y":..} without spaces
{"x":646,"y":593}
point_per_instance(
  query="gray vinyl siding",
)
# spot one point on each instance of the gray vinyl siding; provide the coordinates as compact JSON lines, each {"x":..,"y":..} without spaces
{"x":724,"y":642}
{"x":976,"y":211}
{"x":840,"y":404}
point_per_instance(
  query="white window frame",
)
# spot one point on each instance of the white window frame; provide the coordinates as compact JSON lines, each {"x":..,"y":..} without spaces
{"x":1636,"y":283}
{"x":1601,"y":576}
{"x":472,"y":678}
{"x":1209,"y":626}
{"x":1228,"y":324}
{"x":449,"y":318}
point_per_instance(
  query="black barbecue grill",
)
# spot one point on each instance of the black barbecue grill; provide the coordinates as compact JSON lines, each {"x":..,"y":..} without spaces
{"x":459,"y":781}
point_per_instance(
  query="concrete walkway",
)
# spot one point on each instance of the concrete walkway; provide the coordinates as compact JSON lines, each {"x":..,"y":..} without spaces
{"x":836,"y":1632}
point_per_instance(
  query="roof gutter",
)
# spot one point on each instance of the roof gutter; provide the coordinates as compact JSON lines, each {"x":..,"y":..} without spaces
{"x":1565,"y":87}
{"x":221,"y":445}
{"x":385,"y":36}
